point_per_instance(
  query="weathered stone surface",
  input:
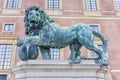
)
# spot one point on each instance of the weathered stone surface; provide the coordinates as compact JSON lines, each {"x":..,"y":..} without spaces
{"x":59,"y":70}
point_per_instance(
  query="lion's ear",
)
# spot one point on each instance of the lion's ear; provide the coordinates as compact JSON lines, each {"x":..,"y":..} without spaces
{"x":41,"y":11}
{"x":26,"y":11}
{"x":37,"y":8}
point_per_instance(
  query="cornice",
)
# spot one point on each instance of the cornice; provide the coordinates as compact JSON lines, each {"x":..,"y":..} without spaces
{"x":67,"y":17}
{"x":9,"y":37}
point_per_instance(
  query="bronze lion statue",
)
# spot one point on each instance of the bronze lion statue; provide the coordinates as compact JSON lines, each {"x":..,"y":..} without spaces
{"x":41,"y":30}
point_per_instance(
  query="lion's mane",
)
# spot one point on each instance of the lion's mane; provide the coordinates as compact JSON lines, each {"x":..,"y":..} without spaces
{"x":34,"y":30}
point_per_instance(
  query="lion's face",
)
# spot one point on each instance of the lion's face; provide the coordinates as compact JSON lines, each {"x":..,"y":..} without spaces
{"x":34,"y":17}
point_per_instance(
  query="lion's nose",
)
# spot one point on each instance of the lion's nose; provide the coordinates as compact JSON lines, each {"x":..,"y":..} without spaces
{"x":33,"y":15}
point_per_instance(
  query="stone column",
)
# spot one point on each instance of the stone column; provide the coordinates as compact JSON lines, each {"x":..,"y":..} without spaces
{"x":59,"y":70}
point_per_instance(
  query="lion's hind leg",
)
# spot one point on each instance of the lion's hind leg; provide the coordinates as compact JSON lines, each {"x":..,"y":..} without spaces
{"x":102,"y":56}
{"x":86,"y":38}
{"x":75,"y":52}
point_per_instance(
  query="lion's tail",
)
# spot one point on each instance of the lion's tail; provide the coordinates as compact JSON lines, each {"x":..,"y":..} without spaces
{"x":99,"y":35}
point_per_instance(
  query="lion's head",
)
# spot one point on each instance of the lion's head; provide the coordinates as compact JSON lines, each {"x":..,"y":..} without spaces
{"x":35,"y":19}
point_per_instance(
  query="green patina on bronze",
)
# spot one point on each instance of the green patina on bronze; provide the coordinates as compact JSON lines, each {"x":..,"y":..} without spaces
{"x":41,"y":30}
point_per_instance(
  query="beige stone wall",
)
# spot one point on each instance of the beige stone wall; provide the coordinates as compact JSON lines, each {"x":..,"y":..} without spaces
{"x":59,"y":70}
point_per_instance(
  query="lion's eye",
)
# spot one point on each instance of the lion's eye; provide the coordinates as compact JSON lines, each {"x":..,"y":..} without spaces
{"x":30,"y":13}
{"x":37,"y":14}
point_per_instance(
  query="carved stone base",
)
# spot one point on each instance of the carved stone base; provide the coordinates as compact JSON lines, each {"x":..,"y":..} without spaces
{"x":59,"y":70}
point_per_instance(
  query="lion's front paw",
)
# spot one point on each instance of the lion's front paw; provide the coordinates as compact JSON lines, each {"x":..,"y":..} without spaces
{"x":20,"y":42}
{"x":103,"y":62}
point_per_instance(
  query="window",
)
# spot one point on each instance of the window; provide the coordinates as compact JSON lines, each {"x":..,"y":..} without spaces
{"x":12,"y":3}
{"x":91,"y":5}
{"x":5,"y":55}
{"x":93,"y":54}
{"x":53,"y":4}
{"x":118,"y":4}
{"x":3,"y":77}
{"x":9,"y":27}
{"x":55,"y":53}
{"x":95,"y":27}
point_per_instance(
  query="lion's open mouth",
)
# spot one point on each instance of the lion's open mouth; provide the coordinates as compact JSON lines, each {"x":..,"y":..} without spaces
{"x":33,"y":21}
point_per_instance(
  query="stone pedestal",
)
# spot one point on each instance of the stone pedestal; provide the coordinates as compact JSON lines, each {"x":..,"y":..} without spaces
{"x":59,"y":70}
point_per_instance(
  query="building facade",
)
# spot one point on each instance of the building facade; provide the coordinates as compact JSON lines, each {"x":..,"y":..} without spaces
{"x":101,"y":15}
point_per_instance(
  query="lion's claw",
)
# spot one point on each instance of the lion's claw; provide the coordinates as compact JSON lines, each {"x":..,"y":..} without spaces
{"x":102,"y":61}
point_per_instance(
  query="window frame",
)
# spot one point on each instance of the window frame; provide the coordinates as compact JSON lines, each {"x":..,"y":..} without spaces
{"x":11,"y":4}
{"x":5,"y":50}
{"x":53,"y":55}
{"x":60,"y":5}
{"x":53,"y":11}
{"x":9,"y":23}
{"x":91,"y":7}
{"x":10,"y":40}
{"x":5,"y":5}
{"x":53,"y":6}
{"x":91,"y":12}
{"x":116,"y":6}
{"x":5,"y":74}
